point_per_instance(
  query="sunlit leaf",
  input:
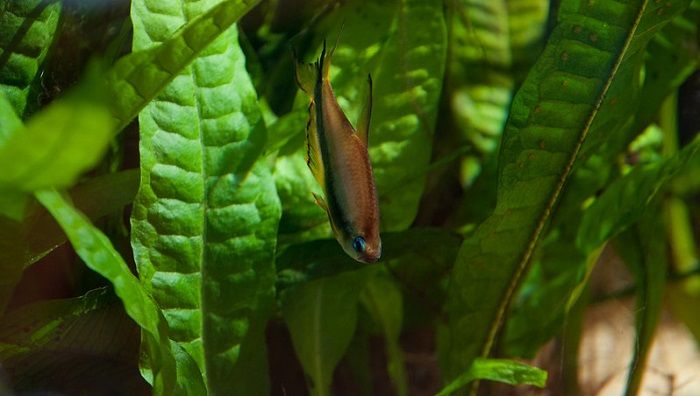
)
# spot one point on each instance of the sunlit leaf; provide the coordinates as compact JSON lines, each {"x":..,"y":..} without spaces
{"x":205,"y":219}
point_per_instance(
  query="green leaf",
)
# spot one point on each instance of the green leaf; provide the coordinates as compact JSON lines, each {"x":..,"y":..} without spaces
{"x":563,"y":268}
{"x":301,"y":219}
{"x":403,"y":46}
{"x":414,"y":255}
{"x":95,"y":249}
{"x":645,"y":254}
{"x":321,"y":316}
{"x":78,"y":345}
{"x":667,"y":67}
{"x":205,"y":218}
{"x":684,"y":299}
{"x":626,"y":200}
{"x":24,"y":243}
{"x":138,"y":77}
{"x":13,"y":202}
{"x":27,"y":30}
{"x":582,"y":89}
{"x":59,"y":143}
{"x":408,"y":82}
{"x":382,"y":298}
{"x":507,"y":371}
{"x":491,"y":41}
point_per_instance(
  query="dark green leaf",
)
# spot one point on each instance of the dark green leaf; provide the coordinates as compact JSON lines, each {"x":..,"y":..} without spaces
{"x":582,"y":89}
{"x":85,"y":344}
{"x":413,"y":255}
{"x":322,"y":316}
{"x":23,"y":243}
{"x":382,"y":298}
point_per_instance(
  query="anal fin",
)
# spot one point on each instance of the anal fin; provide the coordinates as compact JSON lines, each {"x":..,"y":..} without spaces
{"x":313,"y":149}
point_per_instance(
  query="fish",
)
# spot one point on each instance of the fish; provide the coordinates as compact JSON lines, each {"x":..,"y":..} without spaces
{"x":339,"y":161}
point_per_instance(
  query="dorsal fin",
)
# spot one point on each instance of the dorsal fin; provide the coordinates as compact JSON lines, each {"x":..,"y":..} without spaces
{"x":325,"y":60}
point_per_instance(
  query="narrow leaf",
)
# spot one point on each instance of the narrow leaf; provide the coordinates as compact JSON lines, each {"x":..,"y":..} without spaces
{"x":647,"y":259}
{"x":507,"y":371}
{"x":322,"y":316}
{"x":95,"y":249}
{"x":626,"y":200}
{"x":22,"y":243}
{"x":382,"y":298}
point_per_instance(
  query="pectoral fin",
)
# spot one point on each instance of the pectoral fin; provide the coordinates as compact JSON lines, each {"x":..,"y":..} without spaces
{"x":320,"y":202}
{"x":364,"y":120}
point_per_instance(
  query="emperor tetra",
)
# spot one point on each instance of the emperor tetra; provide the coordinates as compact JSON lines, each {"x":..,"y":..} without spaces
{"x":338,"y":159}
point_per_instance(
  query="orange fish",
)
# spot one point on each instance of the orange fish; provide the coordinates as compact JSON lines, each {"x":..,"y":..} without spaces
{"x":338,"y":159}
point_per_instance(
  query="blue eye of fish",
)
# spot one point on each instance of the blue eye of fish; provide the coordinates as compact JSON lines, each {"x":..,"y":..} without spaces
{"x":358,"y":244}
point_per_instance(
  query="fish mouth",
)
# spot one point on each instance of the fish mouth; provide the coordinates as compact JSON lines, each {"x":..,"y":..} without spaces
{"x":370,"y":256}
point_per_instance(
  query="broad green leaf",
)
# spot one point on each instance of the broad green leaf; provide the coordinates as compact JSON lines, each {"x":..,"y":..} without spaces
{"x":301,"y":219}
{"x":138,"y":77}
{"x":95,"y":249}
{"x":27,"y":29}
{"x":321,"y":316}
{"x":205,"y":219}
{"x":403,"y":46}
{"x":501,"y":370}
{"x":492,"y":42}
{"x":24,"y":243}
{"x":581,"y":90}
{"x":382,"y":298}
{"x":78,"y":345}
{"x":408,"y":82}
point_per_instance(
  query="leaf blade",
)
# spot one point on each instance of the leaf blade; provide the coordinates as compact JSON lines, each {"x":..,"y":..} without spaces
{"x":595,"y":57}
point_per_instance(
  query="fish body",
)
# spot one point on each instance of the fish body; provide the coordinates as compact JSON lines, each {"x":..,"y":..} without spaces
{"x":337,"y":156}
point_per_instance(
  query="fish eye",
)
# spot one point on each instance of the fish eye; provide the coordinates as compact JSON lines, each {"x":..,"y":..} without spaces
{"x":358,"y":244}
